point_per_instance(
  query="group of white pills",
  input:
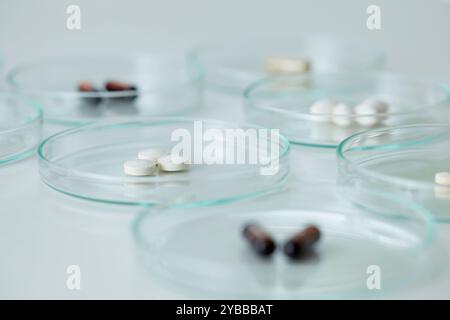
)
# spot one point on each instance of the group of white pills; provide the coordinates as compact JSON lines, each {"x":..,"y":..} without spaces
{"x":150,"y":161}
{"x":366,"y":114}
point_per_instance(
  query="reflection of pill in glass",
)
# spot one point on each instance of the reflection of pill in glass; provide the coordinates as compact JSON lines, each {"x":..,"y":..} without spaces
{"x":442,"y":192}
{"x":140,"y":167}
{"x":342,"y":115}
{"x":151,"y":154}
{"x":442,"y":178}
{"x":166,"y":164}
{"x":301,"y":243}
{"x":322,"y":110}
{"x":259,"y":239}
{"x":287,"y":65}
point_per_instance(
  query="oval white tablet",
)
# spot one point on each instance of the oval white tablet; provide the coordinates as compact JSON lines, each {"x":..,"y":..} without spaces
{"x":322,"y":110}
{"x":280,"y":65}
{"x":370,"y":112}
{"x":342,"y":115}
{"x":151,"y":154}
{"x":442,"y":178}
{"x":140,"y":167}
{"x":166,"y":164}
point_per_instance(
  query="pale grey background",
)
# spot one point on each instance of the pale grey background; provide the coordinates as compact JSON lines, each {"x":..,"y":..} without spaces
{"x":41,"y":232}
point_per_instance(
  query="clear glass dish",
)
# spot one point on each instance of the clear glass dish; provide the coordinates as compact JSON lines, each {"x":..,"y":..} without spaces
{"x":284,"y":102}
{"x":231,"y":67}
{"x":87,"y":162}
{"x":20,"y":127}
{"x":400,"y":160}
{"x":166,"y":83}
{"x":201,"y":252}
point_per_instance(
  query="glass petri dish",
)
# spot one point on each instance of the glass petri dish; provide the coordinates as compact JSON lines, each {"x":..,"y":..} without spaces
{"x":231,"y":67}
{"x":87,"y":162}
{"x":400,"y":160}
{"x":20,"y":127}
{"x":202,"y":252}
{"x":165,"y":83}
{"x":284,"y":102}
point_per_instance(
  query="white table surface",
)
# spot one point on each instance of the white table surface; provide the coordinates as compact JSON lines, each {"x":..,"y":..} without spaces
{"x":42,"y":232}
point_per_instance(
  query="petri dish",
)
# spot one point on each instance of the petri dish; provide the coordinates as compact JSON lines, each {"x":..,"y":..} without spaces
{"x":20,"y":127}
{"x":164,"y":84}
{"x":202,"y":253}
{"x":284,"y":102}
{"x":87,"y":162}
{"x":231,"y":67}
{"x":400,"y":160}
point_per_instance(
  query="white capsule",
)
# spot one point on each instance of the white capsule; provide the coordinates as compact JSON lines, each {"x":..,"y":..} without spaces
{"x":369,"y":112}
{"x":442,"y":178}
{"x":322,"y":110}
{"x":166,"y":164}
{"x":140,"y":167}
{"x":151,"y":154}
{"x":342,"y":115}
{"x":287,"y":65}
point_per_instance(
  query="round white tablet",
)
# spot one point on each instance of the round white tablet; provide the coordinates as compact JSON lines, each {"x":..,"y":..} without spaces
{"x":342,"y":115}
{"x":166,"y":164}
{"x":140,"y":167}
{"x":322,"y":110}
{"x":151,"y":154}
{"x":369,"y":112}
{"x":442,"y":178}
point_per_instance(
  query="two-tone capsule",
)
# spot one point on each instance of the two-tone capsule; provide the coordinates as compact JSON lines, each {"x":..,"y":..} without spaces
{"x":114,"y":86}
{"x":85,"y":86}
{"x":259,"y":239}
{"x":302,"y":242}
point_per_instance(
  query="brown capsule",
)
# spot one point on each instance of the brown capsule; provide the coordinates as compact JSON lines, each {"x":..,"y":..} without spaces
{"x":301,"y":243}
{"x":121,"y":86}
{"x":85,"y":86}
{"x":259,"y":239}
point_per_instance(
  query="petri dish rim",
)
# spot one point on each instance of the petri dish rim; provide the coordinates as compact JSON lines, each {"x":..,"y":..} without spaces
{"x":11,"y":77}
{"x":36,"y":117}
{"x":426,"y":217}
{"x":284,"y":143}
{"x":340,"y":152}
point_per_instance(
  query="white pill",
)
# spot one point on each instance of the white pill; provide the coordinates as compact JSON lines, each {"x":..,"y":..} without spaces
{"x":442,"y":178}
{"x":166,"y":164}
{"x":140,"y":167}
{"x":287,"y":65}
{"x":342,"y":115}
{"x":322,"y":110}
{"x":369,"y":112}
{"x":151,"y":154}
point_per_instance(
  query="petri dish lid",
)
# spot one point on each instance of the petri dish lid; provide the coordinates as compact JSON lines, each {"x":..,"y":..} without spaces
{"x":20,"y":127}
{"x":232,"y":66}
{"x":202,"y":251}
{"x":401,"y":159}
{"x":87,"y":162}
{"x":156,"y":83}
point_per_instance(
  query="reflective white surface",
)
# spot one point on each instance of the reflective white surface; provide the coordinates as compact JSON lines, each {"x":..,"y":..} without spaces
{"x":43,"y":232}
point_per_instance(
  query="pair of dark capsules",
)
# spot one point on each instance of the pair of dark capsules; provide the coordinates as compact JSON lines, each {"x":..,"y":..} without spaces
{"x":111,"y":86}
{"x":298,"y":246}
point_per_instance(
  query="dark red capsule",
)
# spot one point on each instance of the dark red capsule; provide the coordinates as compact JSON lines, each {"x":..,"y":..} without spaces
{"x":85,"y":86}
{"x":115,"y":86}
{"x":301,"y":243}
{"x":259,"y":239}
